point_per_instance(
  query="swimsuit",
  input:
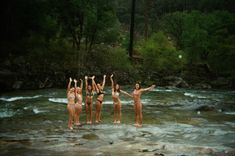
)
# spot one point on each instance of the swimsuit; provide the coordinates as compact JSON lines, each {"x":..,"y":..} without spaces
{"x":116,"y":93}
{"x":100,"y":93}
{"x":89,"y":94}
{"x":71,"y":97}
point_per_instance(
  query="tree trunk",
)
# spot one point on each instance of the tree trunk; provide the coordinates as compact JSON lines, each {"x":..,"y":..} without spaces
{"x":92,"y":39}
{"x":146,"y":18}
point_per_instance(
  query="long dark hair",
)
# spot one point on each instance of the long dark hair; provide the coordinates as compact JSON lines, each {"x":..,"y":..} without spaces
{"x":139,"y":83}
{"x":116,"y":90}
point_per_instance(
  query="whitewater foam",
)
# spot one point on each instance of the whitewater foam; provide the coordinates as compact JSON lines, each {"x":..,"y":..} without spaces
{"x":4,"y":113}
{"x":230,"y":113}
{"x":19,"y":98}
{"x":58,"y":100}
{"x":194,"y":95}
{"x":36,"y":111}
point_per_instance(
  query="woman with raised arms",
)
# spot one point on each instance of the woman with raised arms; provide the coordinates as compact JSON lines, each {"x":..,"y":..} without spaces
{"x":89,"y":100}
{"x":71,"y":104}
{"x":100,"y":97}
{"x":137,"y":103}
{"x":78,"y":102}
{"x":116,"y":100}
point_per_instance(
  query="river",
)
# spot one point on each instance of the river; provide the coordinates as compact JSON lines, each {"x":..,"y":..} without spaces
{"x":35,"y":123}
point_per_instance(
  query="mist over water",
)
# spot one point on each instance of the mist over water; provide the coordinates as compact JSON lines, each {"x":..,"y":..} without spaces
{"x":175,"y":122}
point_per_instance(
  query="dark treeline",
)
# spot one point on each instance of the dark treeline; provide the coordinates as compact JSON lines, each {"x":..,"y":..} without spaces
{"x":176,"y":42}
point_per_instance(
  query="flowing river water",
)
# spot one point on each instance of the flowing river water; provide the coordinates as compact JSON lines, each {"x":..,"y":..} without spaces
{"x":175,"y":122}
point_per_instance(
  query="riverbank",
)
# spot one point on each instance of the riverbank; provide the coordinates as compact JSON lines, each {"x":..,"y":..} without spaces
{"x":22,"y":80}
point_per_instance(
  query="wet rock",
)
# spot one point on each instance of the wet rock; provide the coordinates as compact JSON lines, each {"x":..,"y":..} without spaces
{"x":90,"y":136}
{"x":7,"y":79}
{"x":110,"y":142}
{"x":79,"y":144}
{"x":144,"y":150}
{"x":226,"y":153}
{"x":148,"y":150}
{"x":202,"y":86}
{"x":175,"y":82}
{"x":205,"y":108}
{"x":17,"y":84}
{"x":46,"y":83}
{"x":221,"y":82}
{"x":158,"y":154}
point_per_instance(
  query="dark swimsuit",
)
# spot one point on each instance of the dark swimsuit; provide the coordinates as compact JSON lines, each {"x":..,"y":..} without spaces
{"x":89,"y":94}
{"x":99,"y":93}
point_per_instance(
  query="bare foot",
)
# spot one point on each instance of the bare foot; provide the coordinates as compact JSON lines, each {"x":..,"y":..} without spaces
{"x":136,"y":124}
{"x":96,"y":121}
{"x":77,"y":124}
{"x":71,"y":128}
{"x":118,"y":122}
{"x":139,"y":125}
{"x":115,"y":121}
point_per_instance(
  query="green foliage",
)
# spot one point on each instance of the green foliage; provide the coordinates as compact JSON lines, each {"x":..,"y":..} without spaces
{"x":159,"y":54}
{"x":111,"y":58}
{"x":83,"y":36}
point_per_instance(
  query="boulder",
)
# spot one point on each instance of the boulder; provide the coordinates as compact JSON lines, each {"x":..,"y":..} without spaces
{"x":205,"y":108}
{"x":175,"y":81}
{"x":17,"y":84}
{"x":202,"y":85}
{"x":221,"y":82}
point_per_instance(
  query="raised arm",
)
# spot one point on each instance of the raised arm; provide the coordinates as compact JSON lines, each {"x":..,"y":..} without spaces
{"x":75,"y":85}
{"x":81,"y":85}
{"x":69,"y":85}
{"x":86,"y":83}
{"x":103,"y":81}
{"x":94,"y":84}
{"x":111,"y":79}
{"x":147,"y":89}
{"x":125,"y":93}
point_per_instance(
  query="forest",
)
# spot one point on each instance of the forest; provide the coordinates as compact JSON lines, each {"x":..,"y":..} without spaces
{"x":181,"y":43}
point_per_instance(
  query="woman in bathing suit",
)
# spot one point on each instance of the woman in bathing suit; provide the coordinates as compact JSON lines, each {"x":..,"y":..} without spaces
{"x":78,"y":103}
{"x":116,"y":100}
{"x":137,"y":103}
{"x":71,"y":104}
{"x":89,"y":100}
{"x":100,"y":96}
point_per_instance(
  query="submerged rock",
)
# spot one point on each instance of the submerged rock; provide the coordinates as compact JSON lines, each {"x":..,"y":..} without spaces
{"x":205,"y":108}
{"x":158,"y":154}
{"x":90,"y":136}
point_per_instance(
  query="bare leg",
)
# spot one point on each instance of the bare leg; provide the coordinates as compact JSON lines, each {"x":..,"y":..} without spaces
{"x":71,"y":111}
{"x":90,"y":109}
{"x":136,"y":114}
{"x":119,"y":113}
{"x":76,"y":106}
{"x":114,"y":113}
{"x":141,"y":116}
{"x":100,"y":112}
{"x":97,"y":111}
{"x":87,"y":111}
{"x":79,"y":112}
